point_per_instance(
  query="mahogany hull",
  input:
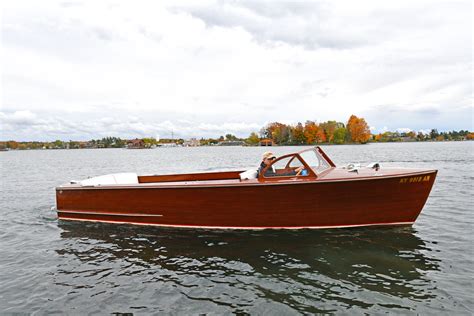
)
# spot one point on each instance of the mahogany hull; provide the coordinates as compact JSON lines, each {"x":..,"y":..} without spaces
{"x":309,"y":204}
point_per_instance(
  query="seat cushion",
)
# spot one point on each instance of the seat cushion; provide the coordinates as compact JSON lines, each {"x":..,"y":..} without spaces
{"x":116,"y":178}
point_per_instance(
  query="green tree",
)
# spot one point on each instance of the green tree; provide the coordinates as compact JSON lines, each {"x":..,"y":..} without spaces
{"x":231,"y":137}
{"x":120,"y":143}
{"x":329,"y":128}
{"x":73,"y":144}
{"x":149,"y":141}
{"x":339,"y":135}
{"x":253,"y":139}
{"x":297,"y":135}
{"x":58,"y":144}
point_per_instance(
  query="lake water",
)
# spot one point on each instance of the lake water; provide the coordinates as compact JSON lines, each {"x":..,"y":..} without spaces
{"x":54,"y":267}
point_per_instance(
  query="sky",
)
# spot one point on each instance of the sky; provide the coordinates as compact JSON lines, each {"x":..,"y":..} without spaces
{"x":79,"y":70}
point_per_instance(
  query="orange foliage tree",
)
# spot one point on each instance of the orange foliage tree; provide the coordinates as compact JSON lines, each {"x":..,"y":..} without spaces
{"x":358,"y":130}
{"x":278,"y":132}
{"x":329,"y":128}
{"x":314,"y":133}
{"x":12,"y":144}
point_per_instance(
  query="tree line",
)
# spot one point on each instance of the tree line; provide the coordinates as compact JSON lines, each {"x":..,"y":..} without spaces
{"x":433,"y":135}
{"x":355,"y":130}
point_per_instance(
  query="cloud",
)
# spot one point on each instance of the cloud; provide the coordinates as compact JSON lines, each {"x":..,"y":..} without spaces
{"x":403,"y":129}
{"x":18,"y":118}
{"x":25,"y":125}
{"x":406,"y":116}
{"x":293,"y":23}
{"x":322,"y":24}
{"x":223,"y":66}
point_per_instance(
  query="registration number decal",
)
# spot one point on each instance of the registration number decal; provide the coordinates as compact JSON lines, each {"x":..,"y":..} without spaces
{"x":415,"y":179}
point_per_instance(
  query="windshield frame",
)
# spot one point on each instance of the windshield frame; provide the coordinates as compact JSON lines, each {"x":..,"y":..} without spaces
{"x":311,"y":173}
{"x":323,"y":159}
{"x":318,"y":152}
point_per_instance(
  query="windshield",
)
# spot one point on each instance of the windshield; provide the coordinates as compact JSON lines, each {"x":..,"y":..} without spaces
{"x":315,"y":160}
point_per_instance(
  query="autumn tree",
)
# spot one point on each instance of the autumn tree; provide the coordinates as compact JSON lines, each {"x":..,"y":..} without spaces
{"x":278,"y":132}
{"x":329,"y":128}
{"x":310,"y":130}
{"x":313,"y":133}
{"x":12,"y":144}
{"x":358,"y":130}
{"x":297,"y":135}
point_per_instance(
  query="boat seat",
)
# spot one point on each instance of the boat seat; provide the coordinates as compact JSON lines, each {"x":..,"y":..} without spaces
{"x":116,"y":178}
{"x":249,"y":174}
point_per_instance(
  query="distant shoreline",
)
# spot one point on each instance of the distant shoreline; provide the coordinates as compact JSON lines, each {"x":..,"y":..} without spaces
{"x":356,"y":131}
{"x":311,"y":133}
{"x":245,"y":145}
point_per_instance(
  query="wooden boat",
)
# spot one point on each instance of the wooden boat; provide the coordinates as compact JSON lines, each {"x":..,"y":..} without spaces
{"x":322,"y":196}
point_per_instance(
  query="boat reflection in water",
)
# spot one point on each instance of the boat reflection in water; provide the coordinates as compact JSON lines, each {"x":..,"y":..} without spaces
{"x":308,"y":270}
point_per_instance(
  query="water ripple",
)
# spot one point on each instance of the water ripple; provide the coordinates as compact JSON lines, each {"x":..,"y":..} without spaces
{"x":49,"y":266}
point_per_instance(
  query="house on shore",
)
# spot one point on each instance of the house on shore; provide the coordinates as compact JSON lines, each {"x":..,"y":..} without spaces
{"x":193,"y":142}
{"x":266,"y":142}
{"x":136,"y":144}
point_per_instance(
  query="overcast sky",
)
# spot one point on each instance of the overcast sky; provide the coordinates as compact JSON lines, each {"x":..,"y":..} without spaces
{"x":88,"y":69}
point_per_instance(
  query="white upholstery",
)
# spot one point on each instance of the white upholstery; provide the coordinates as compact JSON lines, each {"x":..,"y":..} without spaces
{"x":116,"y":178}
{"x":249,"y":174}
{"x":373,"y":165}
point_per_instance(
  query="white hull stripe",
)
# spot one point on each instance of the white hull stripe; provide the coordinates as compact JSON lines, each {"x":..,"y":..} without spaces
{"x":237,"y":227}
{"x":111,"y":214}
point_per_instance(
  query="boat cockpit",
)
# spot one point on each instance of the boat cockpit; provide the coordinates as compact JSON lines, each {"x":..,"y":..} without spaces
{"x":310,"y":163}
